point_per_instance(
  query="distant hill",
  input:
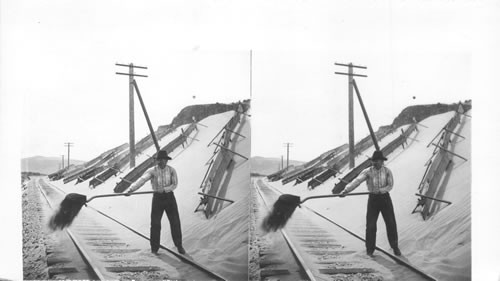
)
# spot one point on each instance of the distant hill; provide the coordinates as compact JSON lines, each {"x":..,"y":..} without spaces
{"x":44,"y":165}
{"x":266,"y":166}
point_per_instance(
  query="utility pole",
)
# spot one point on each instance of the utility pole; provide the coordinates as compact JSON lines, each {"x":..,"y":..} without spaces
{"x":131,"y":76}
{"x":62,"y":161}
{"x":68,"y":144}
{"x":288,"y":144}
{"x":350,"y":75}
{"x":250,"y":74}
{"x":282,"y":162}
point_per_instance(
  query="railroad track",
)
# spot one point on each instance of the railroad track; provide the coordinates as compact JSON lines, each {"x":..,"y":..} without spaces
{"x":99,"y":247}
{"x":327,"y":251}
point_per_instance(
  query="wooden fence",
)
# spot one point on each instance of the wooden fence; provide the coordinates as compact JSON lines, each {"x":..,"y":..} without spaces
{"x":221,"y":166}
{"x":438,"y":166}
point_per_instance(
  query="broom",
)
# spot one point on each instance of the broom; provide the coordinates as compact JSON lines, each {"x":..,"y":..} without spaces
{"x":71,"y":205}
{"x":286,"y":204}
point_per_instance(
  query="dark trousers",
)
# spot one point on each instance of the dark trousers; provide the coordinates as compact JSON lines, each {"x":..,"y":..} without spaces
{"x":380,"y":203}
{"x":164,"y":202}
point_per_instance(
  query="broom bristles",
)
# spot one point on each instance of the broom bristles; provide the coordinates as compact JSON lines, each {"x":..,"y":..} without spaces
{"x":67,"y":211}
{"x":282,"y":210}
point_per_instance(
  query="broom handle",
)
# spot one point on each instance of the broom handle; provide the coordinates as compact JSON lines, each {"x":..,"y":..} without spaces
{"x":333,"y":195}
{"x":119,"y":194}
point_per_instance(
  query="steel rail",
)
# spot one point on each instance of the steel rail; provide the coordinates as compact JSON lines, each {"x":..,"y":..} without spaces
{"x":180,"y":256}
{"x":294,"y":250}
{"x":84,"y":254}
{"x":395,"y":258}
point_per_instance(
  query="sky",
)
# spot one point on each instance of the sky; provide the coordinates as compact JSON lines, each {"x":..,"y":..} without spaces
{"x":60,"y":66}
{"x":58,"y":81}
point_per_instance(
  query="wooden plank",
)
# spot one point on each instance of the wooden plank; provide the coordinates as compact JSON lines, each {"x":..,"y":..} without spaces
{"x":322,"y":241}
{"x":61,"y":270}
{"x":97,"y":238}
{"x":99,"y":234}
{"x":330,"y":252}
{"x":265,"y":263}
{"x":322,"y":246}
{"x":334,"y":271}
{"x":119,"y":269}
{"x":116,"y":251}
{"x":107,"y":244}
{"x":54,"y":260}
{"x":273,"y":272}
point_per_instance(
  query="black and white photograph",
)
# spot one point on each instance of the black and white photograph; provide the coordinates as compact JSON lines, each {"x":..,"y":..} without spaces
{"x":249,"y":140}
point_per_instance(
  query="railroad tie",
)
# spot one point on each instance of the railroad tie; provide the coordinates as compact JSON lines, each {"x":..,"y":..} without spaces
{"x":51,"y":260}
{"x":97,"y":238}
{"x":119,"y":269}
{"x":317,"y":241}
{"x":273,"y":272}
{"x":266,"y":263}
{"x":334,"y":271}
{"x":322,"y":246}
{"x":116,"y":251}
{"x":60,"y":270}
{"x":107,"y":244}
{"x":330,"y":252}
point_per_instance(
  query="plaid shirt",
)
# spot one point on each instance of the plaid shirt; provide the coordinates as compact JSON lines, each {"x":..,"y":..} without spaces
{"x":162,"y":180}
{"x":377,"y":181}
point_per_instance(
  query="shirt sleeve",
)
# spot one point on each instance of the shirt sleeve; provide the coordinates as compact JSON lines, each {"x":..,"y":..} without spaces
{"x":357,"y":181}
{"x":141,"y":181}
{"x":173,"y":175}
{"x":389,"y":180}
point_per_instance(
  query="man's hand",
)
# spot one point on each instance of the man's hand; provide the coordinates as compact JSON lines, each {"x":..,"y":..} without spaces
{"x":128,"y":193}
{"x":342,"y":194}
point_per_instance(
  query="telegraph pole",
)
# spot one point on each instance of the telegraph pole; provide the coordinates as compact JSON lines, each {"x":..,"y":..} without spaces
{"x":250,"y":74}
{"x":62,"y":161}
{"x":68,"y":144}
{"x":131,"y":76}
{"x":350,"y":75}
{"x":287,"y":144}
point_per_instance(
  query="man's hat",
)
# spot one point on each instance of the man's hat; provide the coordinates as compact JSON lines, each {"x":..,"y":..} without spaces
{"x":378,"y":155}
{"x":162,"y":154}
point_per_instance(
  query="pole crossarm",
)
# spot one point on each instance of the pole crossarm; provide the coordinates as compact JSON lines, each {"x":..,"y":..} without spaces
{"x":357,"y":66}
{"x":131,"y":65}
{"x":343,"y":73}
{"x":128,"y":74}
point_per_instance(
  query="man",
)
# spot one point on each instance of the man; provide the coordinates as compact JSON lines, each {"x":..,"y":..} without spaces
{"x":164,"y":182}
{"x":379,"y":181}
